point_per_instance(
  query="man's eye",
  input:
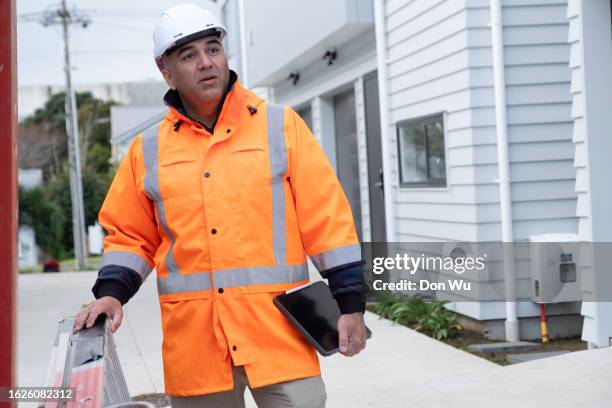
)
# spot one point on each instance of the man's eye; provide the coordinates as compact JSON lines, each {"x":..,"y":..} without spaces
{"x":213,"y":50}
{"x":187,"y":56}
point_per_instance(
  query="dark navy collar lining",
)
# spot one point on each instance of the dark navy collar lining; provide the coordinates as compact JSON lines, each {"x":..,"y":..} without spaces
{"x":173,"y":99}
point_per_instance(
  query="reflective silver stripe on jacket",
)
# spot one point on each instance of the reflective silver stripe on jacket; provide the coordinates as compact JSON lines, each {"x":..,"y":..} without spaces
{"x":278,"y":168}
{"x":260,"y":275}
{"x":128,"y":260}
{"x":336,"y":257}
{"x":227,"y":278}
{"x":184,"y":283}
{"x":151,"y":185}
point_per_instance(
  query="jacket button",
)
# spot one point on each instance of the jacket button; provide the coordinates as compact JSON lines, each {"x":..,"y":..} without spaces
{"x":207,"y":174}
{"x":213,"y":231}
{"x":234,"y":348}
{"x":220,"y":290}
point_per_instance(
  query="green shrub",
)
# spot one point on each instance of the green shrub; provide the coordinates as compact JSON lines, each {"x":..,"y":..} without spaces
{"x":430,"y":317}
{"x":46,"y":218}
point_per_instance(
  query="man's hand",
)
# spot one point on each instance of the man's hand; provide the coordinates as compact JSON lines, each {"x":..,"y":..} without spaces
{"x":352,"y":333}
{"x":108,"y":305}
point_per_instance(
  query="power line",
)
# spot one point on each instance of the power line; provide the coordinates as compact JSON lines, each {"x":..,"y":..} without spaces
{"x":48,"y":18}
{"x":123,"y":13}
{"x":96,"y":13}
{"x":121,"y":27}
{"x":55,"y":15}
{"x":110,"y":52}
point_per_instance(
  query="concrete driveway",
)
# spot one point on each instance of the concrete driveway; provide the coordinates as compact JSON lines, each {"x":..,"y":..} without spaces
{"x":399,"y":367}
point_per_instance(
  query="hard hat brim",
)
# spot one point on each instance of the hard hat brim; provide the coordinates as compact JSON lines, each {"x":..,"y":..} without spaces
{"x":187,"y":39}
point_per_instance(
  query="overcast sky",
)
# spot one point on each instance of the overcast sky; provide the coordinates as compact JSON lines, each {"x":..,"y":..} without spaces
{"x":116,"y":47}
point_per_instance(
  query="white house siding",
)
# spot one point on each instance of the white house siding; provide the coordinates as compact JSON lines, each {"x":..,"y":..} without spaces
{"x":429,"y":72}
{"x":440,"y":60}
{"x":580,"y":158}
{"x":538,"y":102}
{"x":590,"y":63}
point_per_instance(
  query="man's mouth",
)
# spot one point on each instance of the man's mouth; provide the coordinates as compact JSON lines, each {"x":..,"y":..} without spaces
{"x":207,"y":80}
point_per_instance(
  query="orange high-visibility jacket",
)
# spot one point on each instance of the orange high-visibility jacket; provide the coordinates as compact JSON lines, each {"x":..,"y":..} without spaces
{"x":227,"y":221}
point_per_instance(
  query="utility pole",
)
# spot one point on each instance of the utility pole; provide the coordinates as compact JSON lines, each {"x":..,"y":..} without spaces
{"x":67,"y":17}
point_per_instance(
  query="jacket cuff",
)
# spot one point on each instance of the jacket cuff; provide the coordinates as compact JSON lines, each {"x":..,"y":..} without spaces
{"x":346,"y":279}
{"x":112,"y":288}
{"x":351,"y":303}
{"x":117,"y":281}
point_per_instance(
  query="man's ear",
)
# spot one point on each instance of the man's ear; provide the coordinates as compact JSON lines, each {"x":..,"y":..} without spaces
{"x":167,"y":73}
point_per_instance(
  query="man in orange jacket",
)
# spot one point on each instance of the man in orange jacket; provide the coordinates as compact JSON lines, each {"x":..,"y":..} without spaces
{"x":225,"y":198}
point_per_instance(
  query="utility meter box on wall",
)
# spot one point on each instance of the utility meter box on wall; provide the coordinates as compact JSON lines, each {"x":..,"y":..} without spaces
{"x":554,"y":266}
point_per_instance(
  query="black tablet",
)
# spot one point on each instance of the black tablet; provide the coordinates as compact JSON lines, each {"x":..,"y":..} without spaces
{"x":313,"y":310}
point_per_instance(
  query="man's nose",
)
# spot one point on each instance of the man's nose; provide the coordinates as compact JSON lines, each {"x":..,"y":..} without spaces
{"x":204,"y":61}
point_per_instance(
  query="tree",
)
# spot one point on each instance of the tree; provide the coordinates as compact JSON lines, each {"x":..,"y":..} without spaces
{"x":46,"y":218}
{"x":43,"y":144}
{"x":48,"y":124}
{"x":41,"y":148}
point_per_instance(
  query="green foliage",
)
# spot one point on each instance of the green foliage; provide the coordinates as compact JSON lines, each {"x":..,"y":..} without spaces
{"x":430,"y":317}
{"x":49,"y":209}
{"x":53,"y":112}
{"x":98,"y":158}
{"x":46,"y":218}
{"x":95,"y":186}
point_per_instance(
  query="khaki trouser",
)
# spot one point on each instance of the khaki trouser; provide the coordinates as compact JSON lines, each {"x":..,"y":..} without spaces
{"x":302,"y":393}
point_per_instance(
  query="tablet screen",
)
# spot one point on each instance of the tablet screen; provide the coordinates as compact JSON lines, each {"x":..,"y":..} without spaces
{"x":317,"y":312}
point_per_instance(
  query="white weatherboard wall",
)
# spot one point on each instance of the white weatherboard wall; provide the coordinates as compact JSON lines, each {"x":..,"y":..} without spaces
{"x":580,"y":162}
{"x":440,"y":61}
{"x":591,"y":63}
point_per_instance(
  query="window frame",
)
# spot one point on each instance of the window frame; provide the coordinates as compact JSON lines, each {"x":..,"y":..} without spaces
{"x":422,"y":121}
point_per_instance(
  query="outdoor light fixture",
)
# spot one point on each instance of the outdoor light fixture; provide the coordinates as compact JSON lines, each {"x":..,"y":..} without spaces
{"x":330,"y":56}
{"x":294,"y":77}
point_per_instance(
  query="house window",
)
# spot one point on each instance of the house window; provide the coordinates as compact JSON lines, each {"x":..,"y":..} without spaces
{"x":422,"y":158}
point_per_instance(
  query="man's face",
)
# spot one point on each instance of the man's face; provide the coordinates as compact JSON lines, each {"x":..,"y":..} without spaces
{"x":198,"y":71}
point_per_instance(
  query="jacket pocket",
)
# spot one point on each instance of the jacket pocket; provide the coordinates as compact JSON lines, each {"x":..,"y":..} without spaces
{"x":179,"y":175}
{"x":248,"y":165}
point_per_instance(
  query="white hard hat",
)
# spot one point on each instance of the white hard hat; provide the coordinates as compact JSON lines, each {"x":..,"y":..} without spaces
{"x":181,"y":24}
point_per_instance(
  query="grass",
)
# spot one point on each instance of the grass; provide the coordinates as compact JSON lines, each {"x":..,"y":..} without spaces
{"x":68,"y":265}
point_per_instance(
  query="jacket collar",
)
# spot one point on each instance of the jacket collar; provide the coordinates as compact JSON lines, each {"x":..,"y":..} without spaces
{"x":233,"y":103}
